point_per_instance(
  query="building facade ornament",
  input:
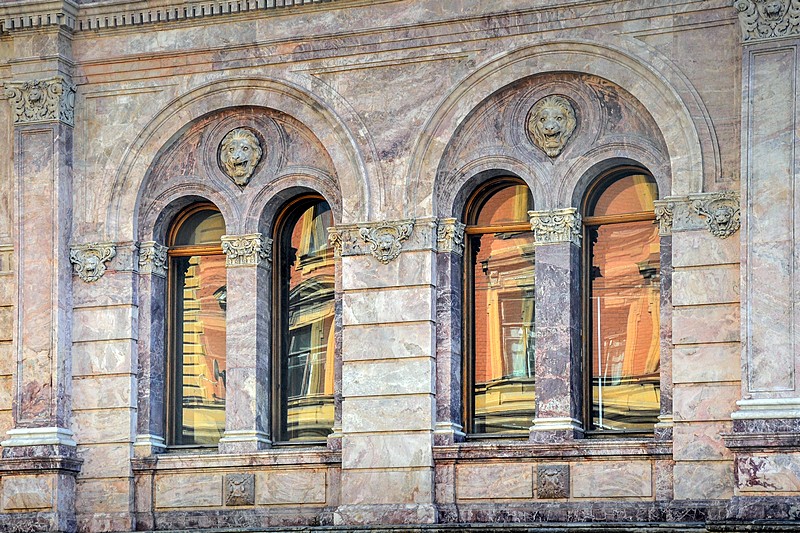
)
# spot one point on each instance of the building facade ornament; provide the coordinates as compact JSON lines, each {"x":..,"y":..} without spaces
{"x":240,"y":489}
{"x":555,"y":226}
{"x":720,"y":210}
{"x":246,"y":250}
{"x":450,"y":236}
{"x":153,"y":259}
{"x":766,"y":19}
{"x":665,"y":213}
{"x":89,"y":260}
{"x":335,"y":240}
{"x":386,"y":239}
{"x":551,"y":122}
{"x":552,"y":481}
{"x":48,"y":100}
{"x":239,"y":153}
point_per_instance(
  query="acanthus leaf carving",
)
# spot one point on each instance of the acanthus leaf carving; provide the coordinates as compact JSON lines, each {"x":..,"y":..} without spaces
{"x":450,"y":236}
{"x":335,"y":240}
{"x":47,"y":100}
{"x":153,"y":259}
{"x":766,"y":19}
{"x":385,"y":239}
{"x":246,"y":250}
{"x":89,"y":260}
{"x":558,"y":225}
{"x":665,"y":214}
{"x":721,"y":212}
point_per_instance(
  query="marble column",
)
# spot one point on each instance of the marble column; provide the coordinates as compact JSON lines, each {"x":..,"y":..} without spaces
{"x":664,"y":215}
{"x":559,"y":388}
{"x":247,"y":363}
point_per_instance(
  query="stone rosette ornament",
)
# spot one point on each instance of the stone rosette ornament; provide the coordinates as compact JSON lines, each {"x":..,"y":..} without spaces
{"x":551,"y":122}
{"x":721,"y":211}
{"x":239,"y":153}
{"x":764,"y":19}
{"x":89,"y":260}
{"x":385,"y":240}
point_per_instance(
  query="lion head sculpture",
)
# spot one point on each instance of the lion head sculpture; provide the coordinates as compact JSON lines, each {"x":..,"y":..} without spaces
{"x":239,"y":153}
{"x":551,"y":122}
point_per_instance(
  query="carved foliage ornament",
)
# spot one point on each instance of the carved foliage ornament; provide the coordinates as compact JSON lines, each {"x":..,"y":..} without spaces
{"x":551,"y":122}
{"x":764,"y":19}
{"x":89,"y":260}
{"x":335,"y":238}
{"x":664,"y":216}
{"x":239,"y":153}
{"x":246,"y":250}
{"x":552,"y":481}
{"x":153,"y":259}
{"x":450,"y":236}
{"x":721,"y":211}
{"x":385,"y":240}
{"x":558,"y":225}
{"x":46,"y":100}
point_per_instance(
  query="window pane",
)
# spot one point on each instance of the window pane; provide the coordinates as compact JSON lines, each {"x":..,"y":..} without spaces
{"x":625,"y":326}
{"x":509,"y":205}
{"x":630,"y":194}
{"x":307,"y":367}
{"x":203,"y":227}
{"x":503,"y":338}
{"x":200,"y":348}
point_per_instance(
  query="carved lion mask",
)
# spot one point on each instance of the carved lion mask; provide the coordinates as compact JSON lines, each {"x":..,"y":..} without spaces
{"x":239,"y":153}
{"x":550,"y":124}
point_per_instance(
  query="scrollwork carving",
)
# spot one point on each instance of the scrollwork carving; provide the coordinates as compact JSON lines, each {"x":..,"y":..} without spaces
{"x":665,"y":213}
{"x":450,"y":236}
{"x":720,"y":210}
{"x":385,"y":240}
{"x":46,"y":100}
{"x":335,"y":239}
{"x":89,"y":260}
{"x":153,"y":259}
{"x":246,"y":250}
{"x":765,"y":19}
{"x":558,"y":225}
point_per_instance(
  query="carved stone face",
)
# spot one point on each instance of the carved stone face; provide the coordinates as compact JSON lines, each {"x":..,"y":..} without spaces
{"x":771,"y":9}
{"x":239,"y":153}
{"x":550,"y":124}
{"x":387,"y":241}
{"x":722,"y":215}
{"x":91,"y":265}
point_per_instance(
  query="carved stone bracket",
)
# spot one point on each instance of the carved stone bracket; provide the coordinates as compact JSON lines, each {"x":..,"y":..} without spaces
{"x":665,"y":213}
{"x":153,"y":259}
{"x":450,"y":236}
{"x":558,"y":225}
{"x":385,"y":239}
{"x":89,"y":260}
{"x":47,"y":100}
{"x":721,"y":211}
{"x":768,"y":19}
{"x":247,"y":250}
{"x":552,"y":481}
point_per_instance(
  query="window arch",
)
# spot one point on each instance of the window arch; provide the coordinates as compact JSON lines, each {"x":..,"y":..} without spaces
{"x":196,"y":328}
{"x":499,"y":310}
{"x":304,"y":287}
{"x":622,"y":303}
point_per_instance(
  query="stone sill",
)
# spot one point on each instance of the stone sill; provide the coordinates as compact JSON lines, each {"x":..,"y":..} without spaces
{"x":39,"y":465}
{"x":761,"y":442}
{"x":577,"y":449}
{"x":184,"y":462}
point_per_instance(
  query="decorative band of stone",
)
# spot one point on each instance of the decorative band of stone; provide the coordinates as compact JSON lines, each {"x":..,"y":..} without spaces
{"x":47,"y":100}
{"x":153,"y":259}
{"x":89,"y":260}
{"x":718,"y":212}
{"x":767,"y":408}
{"x":48,"y":436}
{"x":768,"y":20}
{"x":665,"y":212}
{"x":450,"y":236}
{"x":247,"y":250}
{"x":556,"y":424}
{"x":556,"y":226}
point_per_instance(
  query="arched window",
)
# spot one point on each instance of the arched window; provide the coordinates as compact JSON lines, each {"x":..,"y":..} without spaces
{"x":499,"y":310}
{"x":196,"y":328}
{"x":621,"y":303}
{"x":303,"y":409}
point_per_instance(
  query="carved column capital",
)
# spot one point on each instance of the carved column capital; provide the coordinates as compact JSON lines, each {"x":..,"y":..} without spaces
{"x":555,"y":226}
{"x":335,"y":238}
{"x":665,"y":213}
{"x":89,"y":260}
{"x":768,"y":19}
{"x":450,"y":236}
{"x":47,"y":100}
{"x":153,"y":259}
{"x":385,"y":239}
{"x":720,"y":210}
{"x":247,"y":250}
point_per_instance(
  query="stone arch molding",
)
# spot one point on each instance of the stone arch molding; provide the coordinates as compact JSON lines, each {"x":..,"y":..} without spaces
{"x":325,"y":114}
{"x":648,"y":77}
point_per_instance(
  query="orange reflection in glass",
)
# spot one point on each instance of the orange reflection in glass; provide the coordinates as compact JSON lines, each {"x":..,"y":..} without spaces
{"x":630,"y":194}
{"x":508,"y":205}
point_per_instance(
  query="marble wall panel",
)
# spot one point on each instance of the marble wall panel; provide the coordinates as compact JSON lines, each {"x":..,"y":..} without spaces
{"x":396,"y":376}
{"x":104,"y":323}
{"x":705,"y":324}
{"x":386,"y":306}
{"x":705,"y":402}
{"x":410,"y":268}
{"x":105,"y":460}
{"x":103,"y":495}
{"x":494,"y":482}
{"x":6,"y":421}
{"x":27,"y":493}
{"x":8,"y":289}
{"x":103,"y":357}
{"x":706,"y":363}
{"x":291,"y":487}
{"x":700,"y":441}
{"x":705,"y":285}
{"x":407,"y":486}
{"x":188,"y":490}
{"x":399,"y":413}
{"x":611,"y":479}
{"x":387,"y":450}
{"x":99,"y":392}
{"x":6,"y":323}
{"x":8,"y":361}
{"x":6,"y":392}
{"x":700,"y":248}
{"x":103,"y":425}
{"x":113,"y":288}
{"x":390,"y":341}
{"x":764,"y":472}
{"x":703,"y":480}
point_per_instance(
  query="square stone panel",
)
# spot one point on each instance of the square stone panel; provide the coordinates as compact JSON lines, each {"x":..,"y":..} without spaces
{"x":552,"y":481}
{"x":240,"y":489}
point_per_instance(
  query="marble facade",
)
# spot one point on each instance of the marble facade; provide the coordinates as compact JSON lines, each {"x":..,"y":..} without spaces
{"x":394,"y":111}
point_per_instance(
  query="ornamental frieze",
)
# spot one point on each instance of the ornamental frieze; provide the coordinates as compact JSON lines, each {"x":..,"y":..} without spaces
{"x":246,"y":250}
{"x":89,"y":260}
{"x":766,"y":19}
{"x":385,"y":240}
{"x":153,"y":259}
{"x":556,"y":226}
{"x":450,"y":236}
{"x":48,"y":100}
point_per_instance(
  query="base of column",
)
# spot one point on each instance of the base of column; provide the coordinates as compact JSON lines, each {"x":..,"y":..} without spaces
{"x":39,"y":442}
{"x":243,"y":441}
{"x":446,"y":433}
{"x":364,"y":515}
{"x":663,"y":429}
{"x":146,"y":445}
{"x":335,"y":439}
{"x":555,"y":429}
